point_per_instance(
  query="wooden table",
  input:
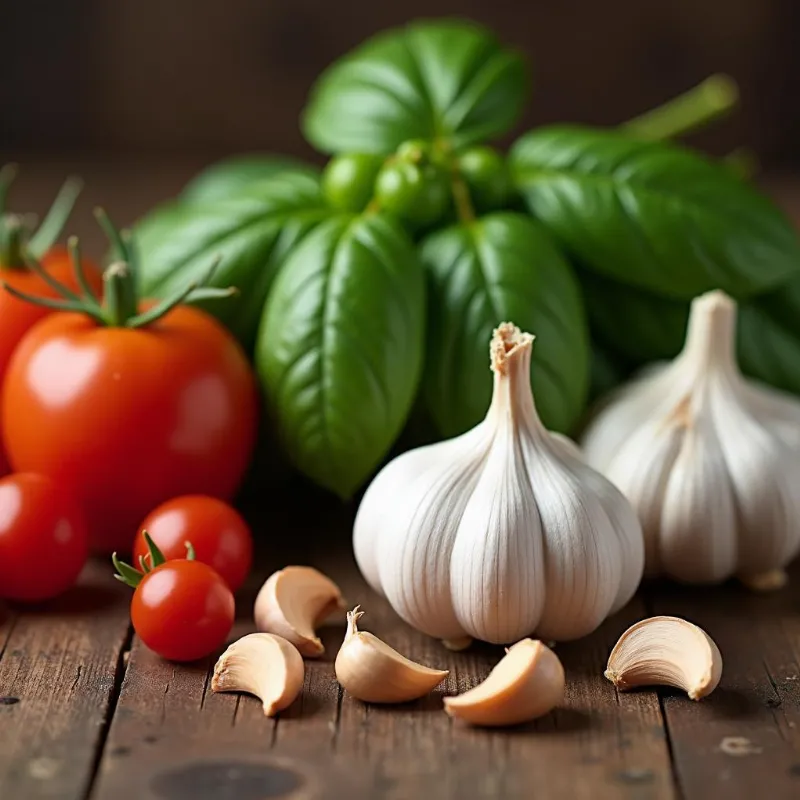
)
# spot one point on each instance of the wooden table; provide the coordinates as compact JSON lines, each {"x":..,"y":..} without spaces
{"x":87,"y":712}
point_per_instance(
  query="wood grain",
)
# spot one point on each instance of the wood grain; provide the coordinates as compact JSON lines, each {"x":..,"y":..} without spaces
{"x":598,"y":746}
{"x":58,"y":668}
{"x":744,"y":738}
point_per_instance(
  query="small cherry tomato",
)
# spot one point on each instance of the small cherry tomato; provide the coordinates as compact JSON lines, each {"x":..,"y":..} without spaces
{"x":43,"y":538}
{"x":487,"y":177}
{"x":417,"y":194}
{"x":181,"y":609}
{"x":349,"y":180}
{"x":219,"y":535}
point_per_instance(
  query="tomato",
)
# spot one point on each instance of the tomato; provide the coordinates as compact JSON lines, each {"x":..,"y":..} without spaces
{"x":17,"y":317}
{"x":486,"y":174}
{"x":418,"y":194}
{"x":43,"y":538}
{"x":219,"y":535}
{"x":183,"y":610}
{"x":127,"y":418}
{"x":348,"y":181}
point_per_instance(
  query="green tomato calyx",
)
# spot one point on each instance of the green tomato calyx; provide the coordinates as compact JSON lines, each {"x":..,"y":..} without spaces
{"x":120,"y":305}
{"x":131,"y":576}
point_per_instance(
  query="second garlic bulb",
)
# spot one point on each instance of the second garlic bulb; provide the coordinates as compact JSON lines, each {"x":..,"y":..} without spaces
{"x":709,"y":459}
{"x":503,"y":531}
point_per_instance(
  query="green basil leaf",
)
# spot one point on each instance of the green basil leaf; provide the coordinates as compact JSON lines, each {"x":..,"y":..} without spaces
{"x":252,"y":232}
{"x":228,"y":177}
{"x":504,"y":267}
{"x":605,"y":372}
{"x":443,"y":79}
{"x":339,"y":351}
{"x":636,"y":325}
{"x":653,"y":215}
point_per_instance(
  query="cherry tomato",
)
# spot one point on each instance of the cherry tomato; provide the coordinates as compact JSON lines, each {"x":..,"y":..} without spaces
{"x":418,"y":194}
{"x":349,"y":180}
{"x":17,"y":317}
{"x":43,"y":538}
{"x":127,"y":418}
{"x":486,"y":174}
{"x":219,"y":535}
{"x":183,"y":610}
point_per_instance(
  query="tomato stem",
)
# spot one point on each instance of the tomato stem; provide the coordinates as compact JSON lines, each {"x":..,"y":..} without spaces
{"x":56,"y":218}
{"x":715,"y":97}
{"x":119,"y":296}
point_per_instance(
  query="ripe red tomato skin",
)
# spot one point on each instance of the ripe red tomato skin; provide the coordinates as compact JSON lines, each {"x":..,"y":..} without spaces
{"x":183,"y":610}
{"x":17,"y":317}
{"x":43,"y":539}
{"x":127,"y":419}
{"x":219,"y":535}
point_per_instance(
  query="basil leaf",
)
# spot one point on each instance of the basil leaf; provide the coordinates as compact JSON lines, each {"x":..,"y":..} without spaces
{"x":652,"y":214}
{"x":633,"y":324}
{"x":252,"y":232}
{"x":504,"y":267}
{"x":339,"y":351}
{"x":447,"y":80}
{"x":228,"y":177}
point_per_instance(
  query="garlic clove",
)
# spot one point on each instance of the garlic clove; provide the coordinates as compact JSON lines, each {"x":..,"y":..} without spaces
{"x":264,"y":665}
{"x":292,"y":602}
{"x":666,"y":651}
{"x":526,"y":684}
{"x":372,"y":671}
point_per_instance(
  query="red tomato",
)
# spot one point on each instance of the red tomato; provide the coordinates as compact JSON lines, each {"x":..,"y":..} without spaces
{"x":17,"y":317}
{"x":183,"y":610}
{"x":128,"y":418}
{"x":43,"y":538}
{"x":219,"y":535}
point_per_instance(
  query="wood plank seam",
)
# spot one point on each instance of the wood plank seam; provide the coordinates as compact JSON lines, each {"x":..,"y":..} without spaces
{"x":119,"y":678}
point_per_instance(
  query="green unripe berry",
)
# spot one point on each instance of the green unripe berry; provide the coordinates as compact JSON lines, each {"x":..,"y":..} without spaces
{"x":486,"y":174}
{"x":348,"y":181}
{"x":418,"y":195}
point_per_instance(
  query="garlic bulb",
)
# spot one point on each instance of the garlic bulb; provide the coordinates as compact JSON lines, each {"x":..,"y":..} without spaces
{"x":501,"y":531}
{"x":708,"y":459}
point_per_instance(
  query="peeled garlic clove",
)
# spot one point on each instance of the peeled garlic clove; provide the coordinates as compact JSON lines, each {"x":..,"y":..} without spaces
{"x":293,"y":602}
{"x":264,"y":665}
{"x":372,"y":671}
{"x":526,"y":684}
{"x":666,"y":651}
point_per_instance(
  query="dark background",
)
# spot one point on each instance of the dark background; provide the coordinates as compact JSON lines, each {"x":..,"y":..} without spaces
{"x":196,"y":79}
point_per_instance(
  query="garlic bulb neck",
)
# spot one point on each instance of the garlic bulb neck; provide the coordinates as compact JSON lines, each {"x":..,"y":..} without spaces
{"x":711,"y":335}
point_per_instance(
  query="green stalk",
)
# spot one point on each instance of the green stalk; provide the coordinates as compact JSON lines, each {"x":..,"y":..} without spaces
{"x":715,"y":97}
{"x":12,"y":241}
{"x":119,"y":297}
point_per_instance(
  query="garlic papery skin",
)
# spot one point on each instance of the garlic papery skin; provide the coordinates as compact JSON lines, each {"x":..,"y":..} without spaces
{"x":666,"y":651}
{"x":527,"y":683}
{"x":264,"y":665}
{"x":708,"y":459}
{"x":292,"y":602}
{"x":503,"y":531}
{"x":370,"y":670}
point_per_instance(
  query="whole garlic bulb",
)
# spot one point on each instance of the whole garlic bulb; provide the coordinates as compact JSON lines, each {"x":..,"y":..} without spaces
{"x":502,"y":531}
{"x":709,"y":459}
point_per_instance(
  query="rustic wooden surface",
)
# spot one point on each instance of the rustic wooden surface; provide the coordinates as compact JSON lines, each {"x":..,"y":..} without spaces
{"x":86,"y":712}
